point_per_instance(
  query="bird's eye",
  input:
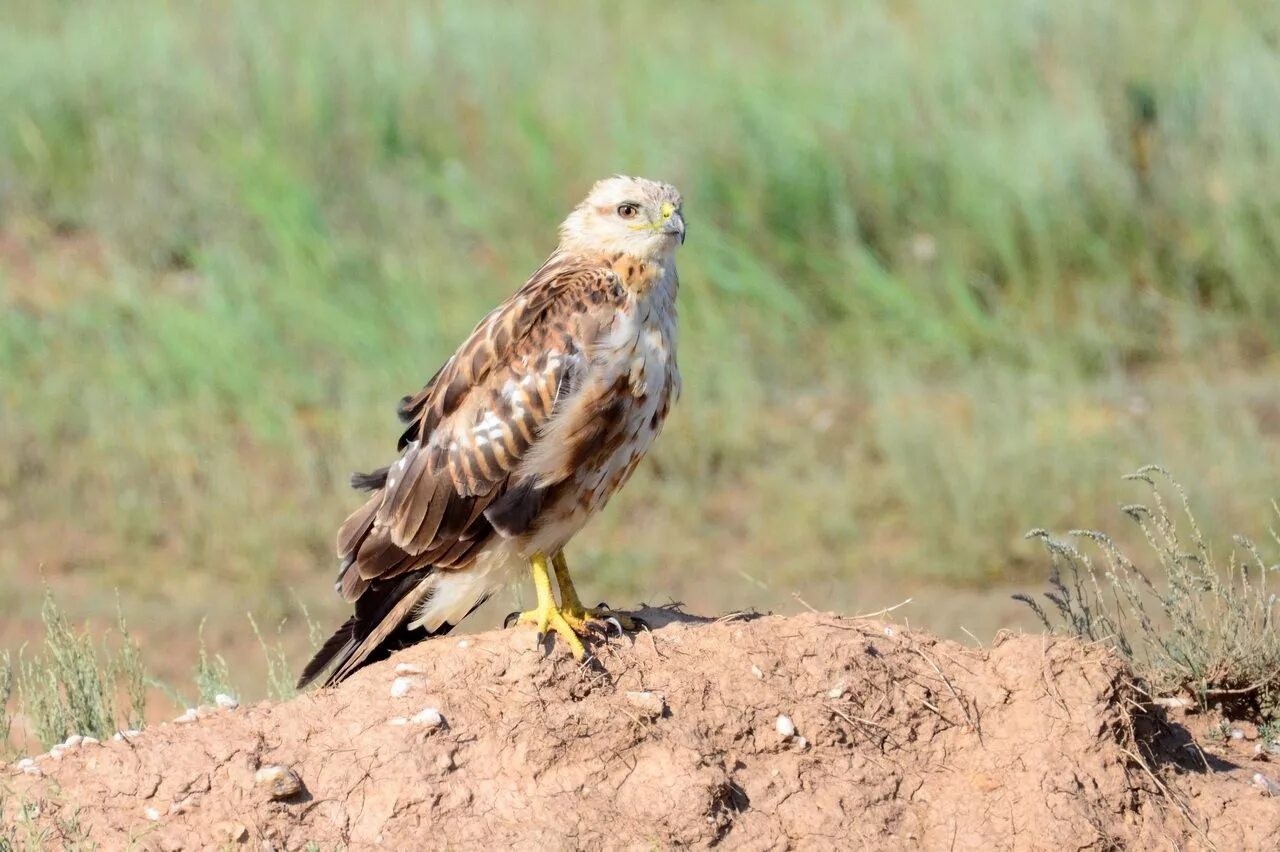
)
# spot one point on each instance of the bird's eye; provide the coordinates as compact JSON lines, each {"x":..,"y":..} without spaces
{"x":628,"y":210}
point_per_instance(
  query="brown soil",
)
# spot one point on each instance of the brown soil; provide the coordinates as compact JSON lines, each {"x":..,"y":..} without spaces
{"x":901,"y":741}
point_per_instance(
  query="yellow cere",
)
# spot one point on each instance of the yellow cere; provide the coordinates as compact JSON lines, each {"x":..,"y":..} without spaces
{"x":668,"y":209}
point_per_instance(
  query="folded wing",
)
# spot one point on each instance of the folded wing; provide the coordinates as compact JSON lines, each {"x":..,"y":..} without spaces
{"x":459,"y":479}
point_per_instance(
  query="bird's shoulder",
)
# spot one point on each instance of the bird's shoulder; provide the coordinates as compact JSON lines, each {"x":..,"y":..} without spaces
{"x":557,"y":312}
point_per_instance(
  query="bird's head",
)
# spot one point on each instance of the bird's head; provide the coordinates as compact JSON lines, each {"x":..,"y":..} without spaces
{"x":635,"y":216}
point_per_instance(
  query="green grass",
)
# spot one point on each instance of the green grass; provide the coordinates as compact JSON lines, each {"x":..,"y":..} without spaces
{"x":1192,"y":623}
{"x":950,"y":268}
{"x":73,"y":686}
{"x":73,"y":683}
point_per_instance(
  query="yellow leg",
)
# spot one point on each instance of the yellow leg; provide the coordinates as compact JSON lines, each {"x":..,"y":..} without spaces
{"x":571,"y":605}
{"x":548,"y":616}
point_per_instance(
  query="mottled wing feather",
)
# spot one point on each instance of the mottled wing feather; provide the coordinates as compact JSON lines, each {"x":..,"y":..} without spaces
{"x":458,"y":477}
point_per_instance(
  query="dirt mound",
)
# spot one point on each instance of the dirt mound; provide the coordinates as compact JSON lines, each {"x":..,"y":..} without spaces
{"x":755,"y":733}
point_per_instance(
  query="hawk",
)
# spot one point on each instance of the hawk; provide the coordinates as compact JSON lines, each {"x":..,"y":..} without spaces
{"x":526,"y":432}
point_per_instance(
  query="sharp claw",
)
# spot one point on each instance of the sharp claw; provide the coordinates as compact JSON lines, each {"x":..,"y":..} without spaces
{"x":640,"y":623}
{"x":615,"y":622}
{"x":603,"y":605}
{"x":511,"y":620}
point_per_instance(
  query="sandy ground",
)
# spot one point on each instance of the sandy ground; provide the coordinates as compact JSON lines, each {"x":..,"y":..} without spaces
{"x":807,"y":732}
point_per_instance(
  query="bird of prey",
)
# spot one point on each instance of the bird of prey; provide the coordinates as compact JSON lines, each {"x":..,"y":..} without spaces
{"x":526,"y":432}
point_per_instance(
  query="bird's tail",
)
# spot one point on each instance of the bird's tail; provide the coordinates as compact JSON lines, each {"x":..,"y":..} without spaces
{"x":394,"y":614}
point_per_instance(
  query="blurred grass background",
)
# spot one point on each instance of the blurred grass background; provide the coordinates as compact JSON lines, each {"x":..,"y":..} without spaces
{"x":952,"y":270}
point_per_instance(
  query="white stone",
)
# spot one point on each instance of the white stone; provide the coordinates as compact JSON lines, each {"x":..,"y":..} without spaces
{"x":400,"y":686}
{"x":408,"y":669}
{"x":759,"y":675}
{"x":25,"y":762}
{"x":73,"y":741}
{"x":57,"y":751}
{"x":152,"y":814}
{"x":429,"y":717}
{"x":785,"y":727}
{"x":1265,"y":784}
{"x":226,"y":702}
{"x":89,"y":741}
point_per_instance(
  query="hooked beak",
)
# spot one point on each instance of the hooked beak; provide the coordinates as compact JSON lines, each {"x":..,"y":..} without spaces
{"x":674,"y":225}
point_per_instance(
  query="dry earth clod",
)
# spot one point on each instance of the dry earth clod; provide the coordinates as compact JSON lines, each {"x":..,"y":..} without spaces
{"x":651,"y":704}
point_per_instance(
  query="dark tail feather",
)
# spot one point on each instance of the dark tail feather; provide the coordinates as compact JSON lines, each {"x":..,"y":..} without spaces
{"x":371,"y":481}
{"x":379,"y":628}
{"x":339,"y":655}
{"x":337,"y":647}
{"x":379,"y":624}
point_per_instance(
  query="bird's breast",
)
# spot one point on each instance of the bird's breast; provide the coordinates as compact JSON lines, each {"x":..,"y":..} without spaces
{"x":634,"y":381}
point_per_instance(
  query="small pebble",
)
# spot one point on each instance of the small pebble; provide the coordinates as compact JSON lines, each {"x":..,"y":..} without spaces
{"x":408,"y":669}
{"x":1265,"y":784}
{"x":152,"y":814}
{"x":89,"y":741}
{"x":280,"y":782}
{"x":785,"y":727}
{"x":464,"y":643}
{"x":73,"y":741}
{"x":1236,"y":734}
{"x":25,"y":762}
{"x":400,"y":686}
{"x":57,"y":751}
{"x":888,"y":631}
{"x":836,"y":691}
{"x":430,"y":717}
{"x":125,"y":735}
{"x":226,"y":702}
{"x":191,"y":715}
{"x":650,"y":703}
{"x":759,"y":675}
{"x":32,"y":770}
